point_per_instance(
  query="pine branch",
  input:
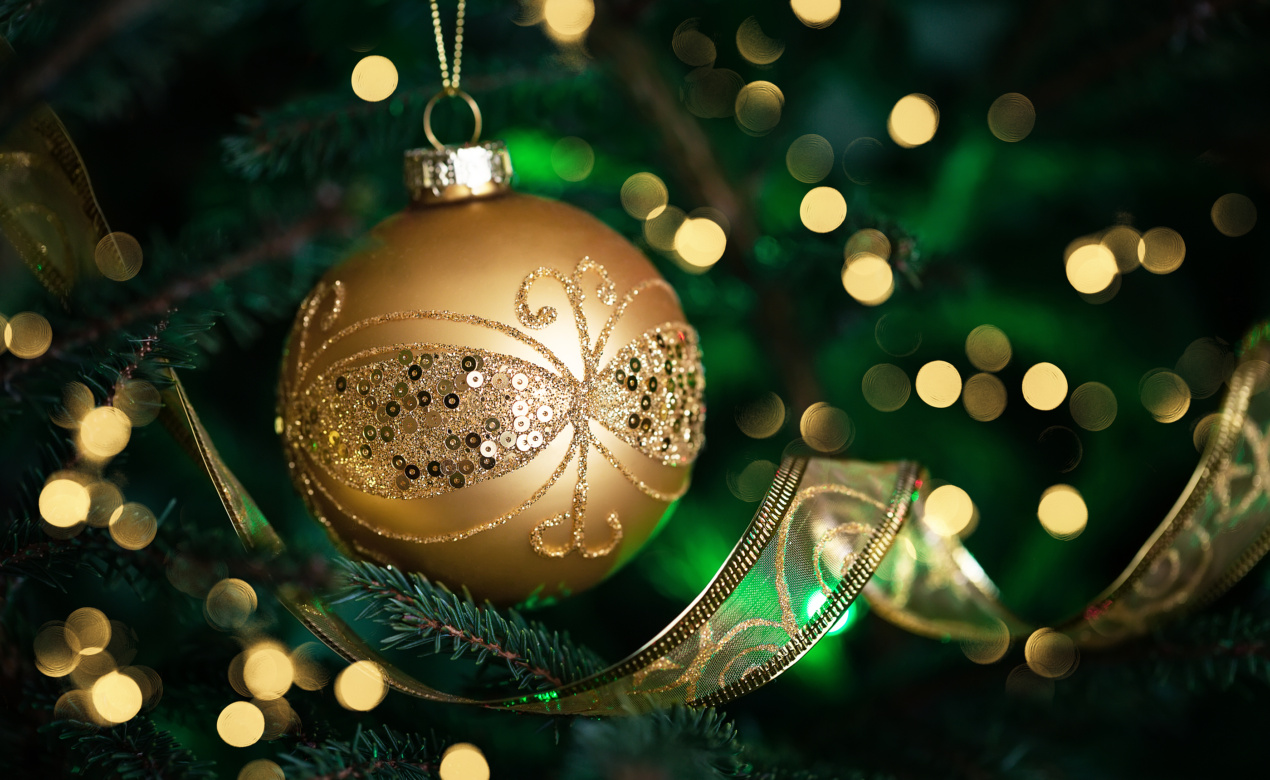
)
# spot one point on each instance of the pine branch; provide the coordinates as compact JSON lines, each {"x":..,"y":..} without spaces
{"x":136,"y":749}
{"x":1214,"y":650}
{"x":675,"y":743}
{"x":369,"y":753}
{"x":425,"y":616}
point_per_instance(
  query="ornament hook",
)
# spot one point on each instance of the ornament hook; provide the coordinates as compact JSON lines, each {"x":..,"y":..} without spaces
{"x":450,"y":92}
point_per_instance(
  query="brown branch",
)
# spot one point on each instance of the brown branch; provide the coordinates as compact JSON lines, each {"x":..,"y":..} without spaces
{"x":692,"y":156}
{"x":278,"y":247}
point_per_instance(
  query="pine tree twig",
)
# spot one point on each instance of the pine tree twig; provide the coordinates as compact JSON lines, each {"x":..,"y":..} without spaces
{"x":425,"y":615}
{"x":273,"y":249}
{"x":693,"y":159}
{"x":391,"y":756}
{"x":40,"y":77}
{"x":134,"y":749}
{"x":678,"y":742}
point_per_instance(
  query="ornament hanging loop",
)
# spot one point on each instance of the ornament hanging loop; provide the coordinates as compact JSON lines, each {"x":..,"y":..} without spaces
{"x":449,"y":92}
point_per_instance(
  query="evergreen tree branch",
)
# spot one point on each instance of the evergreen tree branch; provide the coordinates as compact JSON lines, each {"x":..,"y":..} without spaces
{"x":424,"y":615}
{"x":135,"y":749}
{"x":674,"y":743}
{"x":369,"y":753}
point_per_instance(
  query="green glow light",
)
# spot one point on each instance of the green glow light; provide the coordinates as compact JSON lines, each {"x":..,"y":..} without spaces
{"x":847,"y":620}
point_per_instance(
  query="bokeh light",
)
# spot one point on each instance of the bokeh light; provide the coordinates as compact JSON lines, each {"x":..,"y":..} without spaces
{"x":1205,"y":366}
{"x":989,"y":645}
{"x":752,"y":482}
{"x":644,"y":195}
{"x":77,"y":401}
{"x":1044,"y":386}
{"x":118,"y":256}
{"x":361,"y":686}
{"x":261,"y":769}
{"x":267,"y":671}
{"x":374,"y":78}
{"x":1062,"y":512}
{"x":463,"y":761}
{"x":758,"y":107}
{"x":56,"y":650}
{"x":844,"y":622}
{"x":1161,"y":250}
{"x":810,"y":158}
{"x":988,"y":348}
{"x":861,"y":160}
{"x":700,"y":242}
{"x":763,"y":417}
{"x":869,"y":240}
{"x":1122,"y":241}
{"x":711,"y":93}
{"x":1093,"y":406}
{"x":64,"y":503}
{"x":116,"y":697}
{"x":1234,"y":214}
{"x":1011,"y":117}
{"x":1050,"y":653}
{"x":91,"y":628}
{"x":572,"y":159}
{"x":568,"y":20}
{"x":913,"y":121}
{"x":310,"y":675}
{"x":138,"y":400}
{"x":104,"y":432}
{"x":230,"y":604}
{"x":28,"y":335}
{"x":898,"y":334}
{"x":826,"y":428}
{"x":1023,"y":683}
{"x":241,"y":724}
{"x":1091,"y":269}
{"x":948,"y":510}
{"x":868,"y":278}
{"x":755,"y":46}
{"x":660,"y":230}
{"x":1164,"y":394}
{"x":133,"y":526}
{"x":692,"y":46}
{"x":823,"y":209}
{"x":816,"y":14}
{"x":984,"y":397}
{"x":1204,"y":427}
{"x":886,"y":387}
{"x":938,"y":384}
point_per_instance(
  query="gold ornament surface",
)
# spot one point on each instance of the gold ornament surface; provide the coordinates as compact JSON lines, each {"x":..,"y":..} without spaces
{"x":427,"y":428}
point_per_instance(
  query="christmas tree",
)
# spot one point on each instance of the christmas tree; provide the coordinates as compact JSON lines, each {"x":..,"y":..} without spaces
{"x":1014,"y":243}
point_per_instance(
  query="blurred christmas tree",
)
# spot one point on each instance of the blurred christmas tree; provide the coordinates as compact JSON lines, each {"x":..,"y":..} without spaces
{"x":983,"y":160}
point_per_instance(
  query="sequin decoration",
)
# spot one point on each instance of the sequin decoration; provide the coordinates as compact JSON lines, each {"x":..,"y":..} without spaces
{"x":458,"y":416}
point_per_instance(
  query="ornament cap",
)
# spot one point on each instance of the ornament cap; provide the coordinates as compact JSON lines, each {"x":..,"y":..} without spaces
{"x":458,"y":173}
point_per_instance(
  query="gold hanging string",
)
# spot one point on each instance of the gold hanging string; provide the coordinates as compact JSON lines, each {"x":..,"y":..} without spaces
{"x":451,"y":85}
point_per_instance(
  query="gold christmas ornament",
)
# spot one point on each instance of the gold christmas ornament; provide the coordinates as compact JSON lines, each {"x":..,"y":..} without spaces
{"x":500,"y":393}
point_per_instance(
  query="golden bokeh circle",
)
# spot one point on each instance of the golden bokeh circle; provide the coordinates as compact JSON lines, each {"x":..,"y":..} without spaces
{"x":463,"y":761}
{"x":700,"y":241}
{"x":1203,"y":430}
{"x":133,"y":526}
{"x":1044,"y":386}
{"x":1091,"y":269}
{"x":230,"y":604}
{"x":76,"y":705}
{"x":692,"y":46}
{"x":913,"y":120}
{"x":938,"y":384}
{"x":28,"y":335}
{"x":1161,"y":250}
{"x":261,"y":769}
{"x":984,"y":397}
{"x":1122,"y":241}
{"x":861,"y":159}
{"x":897,"y":334}
{"x":948,"y":510}
{"x":241,"y":724}
{"x":116,"y":697}
{"x":1234,"y":214}
{"x":660,"y":230}
{"x":644,"y":195}
{"x":361,"y":686}
{"x":310,"y":674}
{"x":886,"y":387}
{"x":572,"y":158}
{"x":1050,"y":654}
{"x":989,"y":645}
{"x":868,"y":278}
{"x":1011,"y":117}
{"x":711,"y":93}
{"x":826,"y":428}
{"x":64,"y":503}
{"x":104,"y":498}
{"x":118,"y":256}
{"x":1205,"y":366}
{"x":91,"y":627}
{"x":104,"y":432}
{"x":1023,"y":683}
{"x":374,"y":78}
{"x":56,"y":650}
{"x":279,"y":717}
{"x":988,"y":348}
{"x":267,"y":671}
{"x":1164,"y":394}
{"x":1093,"y":406}
{"x":758,"y":107}
{"x":148,"y":682}
{"x":139,"y":400}
{"x":568,"y":19}
{"x":1062,"y":512}
{"x":816,"y":14}
{"x":755,"y":46}
{"x":751,"y":484}
{"x":869,"y":240}
{"x":823,"y":209}
{"x":763,"y":417}
{"x":809,"y":158}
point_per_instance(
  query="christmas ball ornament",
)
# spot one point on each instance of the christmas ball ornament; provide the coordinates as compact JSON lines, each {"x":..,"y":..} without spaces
{"x":500,"y":392}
